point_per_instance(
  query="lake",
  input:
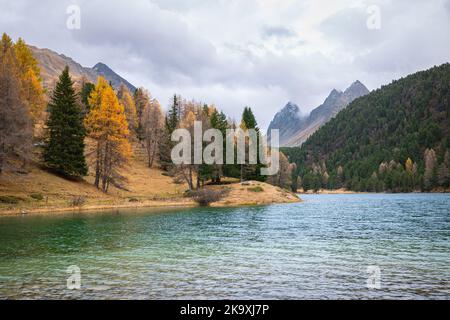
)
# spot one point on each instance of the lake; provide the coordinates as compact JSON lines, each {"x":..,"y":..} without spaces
{"x":319,"y":249}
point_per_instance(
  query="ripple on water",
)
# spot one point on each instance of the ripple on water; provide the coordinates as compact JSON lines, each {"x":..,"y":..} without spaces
{"x":318,"y":249}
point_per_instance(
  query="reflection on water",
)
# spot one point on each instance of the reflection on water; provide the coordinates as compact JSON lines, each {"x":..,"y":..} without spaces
{"x":320,"y":248}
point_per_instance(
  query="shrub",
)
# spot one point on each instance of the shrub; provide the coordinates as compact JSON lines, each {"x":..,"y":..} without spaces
{"x":133,"y":200}
{"x":256,"y":189}
{"x":77,"y":201}
{"x":10,"y":199}
{"x":204,"y":197}
{"x":37,"y":196}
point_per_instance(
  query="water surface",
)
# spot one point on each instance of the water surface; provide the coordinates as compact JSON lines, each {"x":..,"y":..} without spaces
{"x":318,"y":249}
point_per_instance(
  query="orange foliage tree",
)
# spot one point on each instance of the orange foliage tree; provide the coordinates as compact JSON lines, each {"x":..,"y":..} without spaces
{"x":32,"y":91}
{"x":106,"y":123}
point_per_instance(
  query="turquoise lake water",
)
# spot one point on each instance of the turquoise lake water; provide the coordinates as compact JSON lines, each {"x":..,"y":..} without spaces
{"x":318,"y":249}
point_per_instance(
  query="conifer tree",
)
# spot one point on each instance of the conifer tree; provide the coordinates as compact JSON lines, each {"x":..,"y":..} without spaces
{"x":64,"y":150}
{"x":430,"y":174}
{"x":128,"y":102}
{"x":141,"y":101}
{"x":32,"y":91}
{"x":15,"y":122}
{"x":251,"y":171}
{"x":107,"y":125}
{"x":171,"y":123}
{"x":173,"y":115}
{"x":86,"y":90}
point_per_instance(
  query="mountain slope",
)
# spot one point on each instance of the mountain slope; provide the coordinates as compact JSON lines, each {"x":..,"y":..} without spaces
{"x":286,"y":121}
{"x":294,"y":130}
{"x":105,"y":71}
{"x":374,"y":136}
{"x":52,"y":64}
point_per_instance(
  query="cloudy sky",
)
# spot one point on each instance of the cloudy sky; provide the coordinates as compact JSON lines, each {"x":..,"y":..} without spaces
{"x":261,"y":53}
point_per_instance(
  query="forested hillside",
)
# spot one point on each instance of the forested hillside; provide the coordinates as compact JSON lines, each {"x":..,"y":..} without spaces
{"x":395,"y":139}
{"x":104,"y":134}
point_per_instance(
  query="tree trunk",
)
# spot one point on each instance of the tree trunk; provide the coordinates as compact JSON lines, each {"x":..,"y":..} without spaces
{"x":153,"y":154}
{"x":2,"y":157}
{"x":97,"y":167}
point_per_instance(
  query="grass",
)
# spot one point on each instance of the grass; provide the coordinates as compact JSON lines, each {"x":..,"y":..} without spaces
{"x":28,"y":191}
{"x":145,"y":187}
{"x":37,"y":196}
{"x":10,"y":199}
{"x":256,"y":189}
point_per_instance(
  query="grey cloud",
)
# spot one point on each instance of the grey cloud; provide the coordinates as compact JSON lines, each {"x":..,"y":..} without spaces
{"x":152,"y":43}
{"x":278,"y":32}
{"x":348,"y":28}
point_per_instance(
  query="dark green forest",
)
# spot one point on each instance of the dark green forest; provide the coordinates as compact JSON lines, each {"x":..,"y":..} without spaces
{"x":395,"y":139}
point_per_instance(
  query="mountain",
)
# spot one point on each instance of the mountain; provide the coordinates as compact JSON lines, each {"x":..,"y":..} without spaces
{"x":396,"y":138}
{"x":105,"y":71}
{"x":298,"y":128}
{"x":287,"y":121}
{"x":52,"y":64}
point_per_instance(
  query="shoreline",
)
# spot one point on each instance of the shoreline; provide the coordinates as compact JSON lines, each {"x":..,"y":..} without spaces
{"x":93,"y":208}
{"x":102,"y":208}
{"x":238,"y":196}
{"x":344,"y":191}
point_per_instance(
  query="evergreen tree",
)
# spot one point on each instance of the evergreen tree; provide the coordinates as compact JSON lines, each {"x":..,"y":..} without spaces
{"x":173,"y":115}
{"x":64,"y":151}
{"x":86,"y":90}
{"x":166,"y":144}
{"x":251,"y":171}
{"x":218,"y":120}
{"x":249,"y":119}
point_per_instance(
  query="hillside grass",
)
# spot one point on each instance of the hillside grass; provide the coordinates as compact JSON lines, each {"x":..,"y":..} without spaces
{"x":42,"y":191}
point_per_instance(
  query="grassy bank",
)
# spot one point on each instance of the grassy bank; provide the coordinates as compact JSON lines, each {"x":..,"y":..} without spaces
{"x":39,"y":191}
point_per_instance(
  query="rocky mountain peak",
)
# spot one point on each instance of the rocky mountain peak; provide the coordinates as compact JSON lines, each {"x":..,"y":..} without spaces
{"x":287,"y":118}
{"x":103,"y":70}
{"x":357,"y":89}
{"x":295,"y":129}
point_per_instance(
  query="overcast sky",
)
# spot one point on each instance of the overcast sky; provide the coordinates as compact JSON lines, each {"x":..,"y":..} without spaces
{"x":260,"y":53}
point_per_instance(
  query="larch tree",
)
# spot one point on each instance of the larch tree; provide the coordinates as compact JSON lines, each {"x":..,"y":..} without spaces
{"x":107,"y":125}
{"x":443,"y":171}
{"x":409,"y":165}
{"x":15,"y":122}
{"x":141,"y":100}
{"x":187,"y":172}
{"x":94,"y":100}
{"x":152,"y":130}
{"x":283,"y":178}
{"x":64,"y":150}
{"x":429,"y":178}
{"x":32,"y":91}
{"x":126,"y":99}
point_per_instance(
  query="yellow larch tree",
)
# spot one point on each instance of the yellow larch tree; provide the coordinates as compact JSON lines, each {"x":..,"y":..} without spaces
{"x":106,"y":123}
{"x":32,"y":91}
{"x":152,"y":124}
{"x":126,"y":99}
